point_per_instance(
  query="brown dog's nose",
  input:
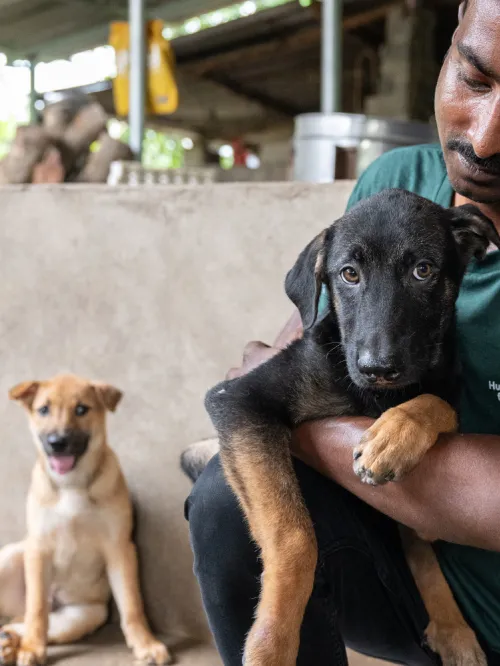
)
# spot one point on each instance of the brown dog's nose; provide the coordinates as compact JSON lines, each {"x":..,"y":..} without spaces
{"x":375,"y":369}
{"x":57,"y":442}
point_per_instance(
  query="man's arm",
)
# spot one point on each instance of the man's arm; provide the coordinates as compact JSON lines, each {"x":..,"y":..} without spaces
{"x":453,"y":494}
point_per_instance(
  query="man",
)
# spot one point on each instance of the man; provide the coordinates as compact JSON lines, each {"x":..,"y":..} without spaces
{"x":365,"y":596}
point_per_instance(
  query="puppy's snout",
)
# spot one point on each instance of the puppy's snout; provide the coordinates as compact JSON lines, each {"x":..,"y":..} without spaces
{"x":57,"y":442}
{"x":377,"y":369}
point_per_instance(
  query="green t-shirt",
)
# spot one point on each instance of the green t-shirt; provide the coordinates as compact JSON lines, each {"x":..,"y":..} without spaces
{"x":473,"y":574}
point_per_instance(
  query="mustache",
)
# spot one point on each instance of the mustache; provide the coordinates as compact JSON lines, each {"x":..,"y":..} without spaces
{"x":488,"y":164}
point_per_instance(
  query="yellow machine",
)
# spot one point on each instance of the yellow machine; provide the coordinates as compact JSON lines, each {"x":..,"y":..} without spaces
{"x":162,"y":95}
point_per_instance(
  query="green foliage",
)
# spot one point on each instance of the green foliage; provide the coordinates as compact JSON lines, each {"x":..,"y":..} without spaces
{"x":159,"y":150}
{"x":232,"y":12}
{"x":7,"y":134}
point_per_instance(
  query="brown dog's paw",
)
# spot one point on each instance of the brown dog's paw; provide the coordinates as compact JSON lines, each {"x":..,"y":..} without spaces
{"x":31,"y":653}
{"x":9,"y":646}
{"x":392,"y":447}
{"x":154,"y":653}
{"x":30,"y":658}
{"x":456,"y":645}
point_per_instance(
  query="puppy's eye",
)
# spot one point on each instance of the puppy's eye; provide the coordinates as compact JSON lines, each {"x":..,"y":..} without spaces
{"x":81,"y":410}
{"x":349,"y":275}
{"x":423,"y":270}
{"x":44,"y":410}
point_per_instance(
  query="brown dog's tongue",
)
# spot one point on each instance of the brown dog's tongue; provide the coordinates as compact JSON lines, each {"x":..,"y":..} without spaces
{"x":62,"y":464}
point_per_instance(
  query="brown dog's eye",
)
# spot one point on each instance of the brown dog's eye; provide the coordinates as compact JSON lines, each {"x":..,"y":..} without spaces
{"x":423,"y":270}
{"x":44,"y":410}
{"x":349,"y":275}
{"x":81,"y":410}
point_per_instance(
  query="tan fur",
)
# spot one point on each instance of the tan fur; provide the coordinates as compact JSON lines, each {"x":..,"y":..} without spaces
{"x":447,"y":633}
{"x":391,"y":448}
{"x":79,"y":545}
{"x":280,"y":524}
{"x":400,"y":438}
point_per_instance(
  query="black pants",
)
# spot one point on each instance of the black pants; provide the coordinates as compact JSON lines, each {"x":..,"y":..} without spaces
{"x":364,"y":597}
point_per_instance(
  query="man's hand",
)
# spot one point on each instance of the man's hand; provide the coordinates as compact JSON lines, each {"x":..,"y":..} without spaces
{"x":256,"y":353}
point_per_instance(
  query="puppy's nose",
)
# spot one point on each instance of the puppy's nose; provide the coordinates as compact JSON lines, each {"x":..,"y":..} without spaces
{"x":57,"y":442}
{"x":375,"y":369}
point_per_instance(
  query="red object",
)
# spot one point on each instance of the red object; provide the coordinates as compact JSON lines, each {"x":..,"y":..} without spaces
{"x":240,"y":152}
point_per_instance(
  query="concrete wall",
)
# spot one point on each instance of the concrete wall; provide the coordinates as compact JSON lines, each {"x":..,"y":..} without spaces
{"x":408,"y":70}
{"x":156,"y":290}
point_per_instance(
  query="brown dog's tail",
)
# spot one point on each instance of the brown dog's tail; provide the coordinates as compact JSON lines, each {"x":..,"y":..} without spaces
{"x":196,"y":457}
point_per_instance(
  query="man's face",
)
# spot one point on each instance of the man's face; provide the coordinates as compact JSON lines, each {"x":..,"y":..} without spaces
{"x":468,"y":104}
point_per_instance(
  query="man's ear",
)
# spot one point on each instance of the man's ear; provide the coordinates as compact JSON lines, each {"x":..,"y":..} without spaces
{"x":108,"y":395}
{"x":303,"y":282}
{"x":25,"y":393}
{"x":473,"y":232}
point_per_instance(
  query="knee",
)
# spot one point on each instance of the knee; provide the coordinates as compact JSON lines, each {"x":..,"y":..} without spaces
{"x":231,"y":407}
{"x":217,"y":525}
{"x":218,"y":404}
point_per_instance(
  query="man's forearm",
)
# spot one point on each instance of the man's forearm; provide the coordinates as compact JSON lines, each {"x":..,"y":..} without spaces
{"x":454,"y":494}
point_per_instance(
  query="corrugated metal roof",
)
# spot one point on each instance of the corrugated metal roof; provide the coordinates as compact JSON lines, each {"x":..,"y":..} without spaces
{"x":258,"y":73}
{"x":49,"y":29}
{"x":255,"y":74}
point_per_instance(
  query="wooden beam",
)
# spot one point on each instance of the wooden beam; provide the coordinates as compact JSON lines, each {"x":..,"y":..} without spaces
{"x":264,"y":50}
{"x":226,"y":130}
{"x":369,"y":16}
{"x":264,"y":100}
{"x":271,"y":48}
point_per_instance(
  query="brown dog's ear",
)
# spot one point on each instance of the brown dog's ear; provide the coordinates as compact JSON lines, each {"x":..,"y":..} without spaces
{"x":473,"y":232}
{"x":303,"y":282}
{"x":108,"y":395}
{"x":25,"y":393}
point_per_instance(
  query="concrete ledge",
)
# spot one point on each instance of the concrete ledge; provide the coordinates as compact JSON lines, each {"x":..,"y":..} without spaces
{"x":155,"y":289}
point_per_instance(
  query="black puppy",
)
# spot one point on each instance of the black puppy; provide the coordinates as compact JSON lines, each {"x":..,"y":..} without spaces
{"x":384,"y":347}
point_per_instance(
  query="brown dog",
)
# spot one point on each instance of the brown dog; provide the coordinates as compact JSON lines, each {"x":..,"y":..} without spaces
{"x":56,"y":584}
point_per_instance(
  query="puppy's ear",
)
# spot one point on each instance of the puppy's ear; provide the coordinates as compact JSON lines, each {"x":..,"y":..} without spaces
{"x":108,"y":395}
{"x":473,"y":232}
{"x":25,"y":393}
{"x":303,"y":282}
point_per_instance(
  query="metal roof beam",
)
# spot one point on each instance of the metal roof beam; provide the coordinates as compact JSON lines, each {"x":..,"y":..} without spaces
{"x":67,"y":45}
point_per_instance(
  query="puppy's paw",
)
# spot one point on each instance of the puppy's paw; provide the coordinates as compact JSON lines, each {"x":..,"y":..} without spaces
{"x":270,"y":644}
{"x":456,"y":645}
{"x":392,"y":447}
{"x":9,"y":646}
{"x":31,"y":656}
{"x":153,"y":652}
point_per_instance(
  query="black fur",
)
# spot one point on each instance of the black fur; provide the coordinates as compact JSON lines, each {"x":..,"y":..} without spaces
{"x":391,"y":316}
{"x":392,"y":268}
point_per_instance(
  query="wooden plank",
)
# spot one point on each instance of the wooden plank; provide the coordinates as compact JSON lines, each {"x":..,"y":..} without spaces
{"x":276,"y":47}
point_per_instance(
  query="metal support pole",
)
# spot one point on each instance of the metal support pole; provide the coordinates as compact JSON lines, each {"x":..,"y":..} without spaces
{"x":331,"y":56}
{"x":137,"y":87}
{"x":32,"y":97}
